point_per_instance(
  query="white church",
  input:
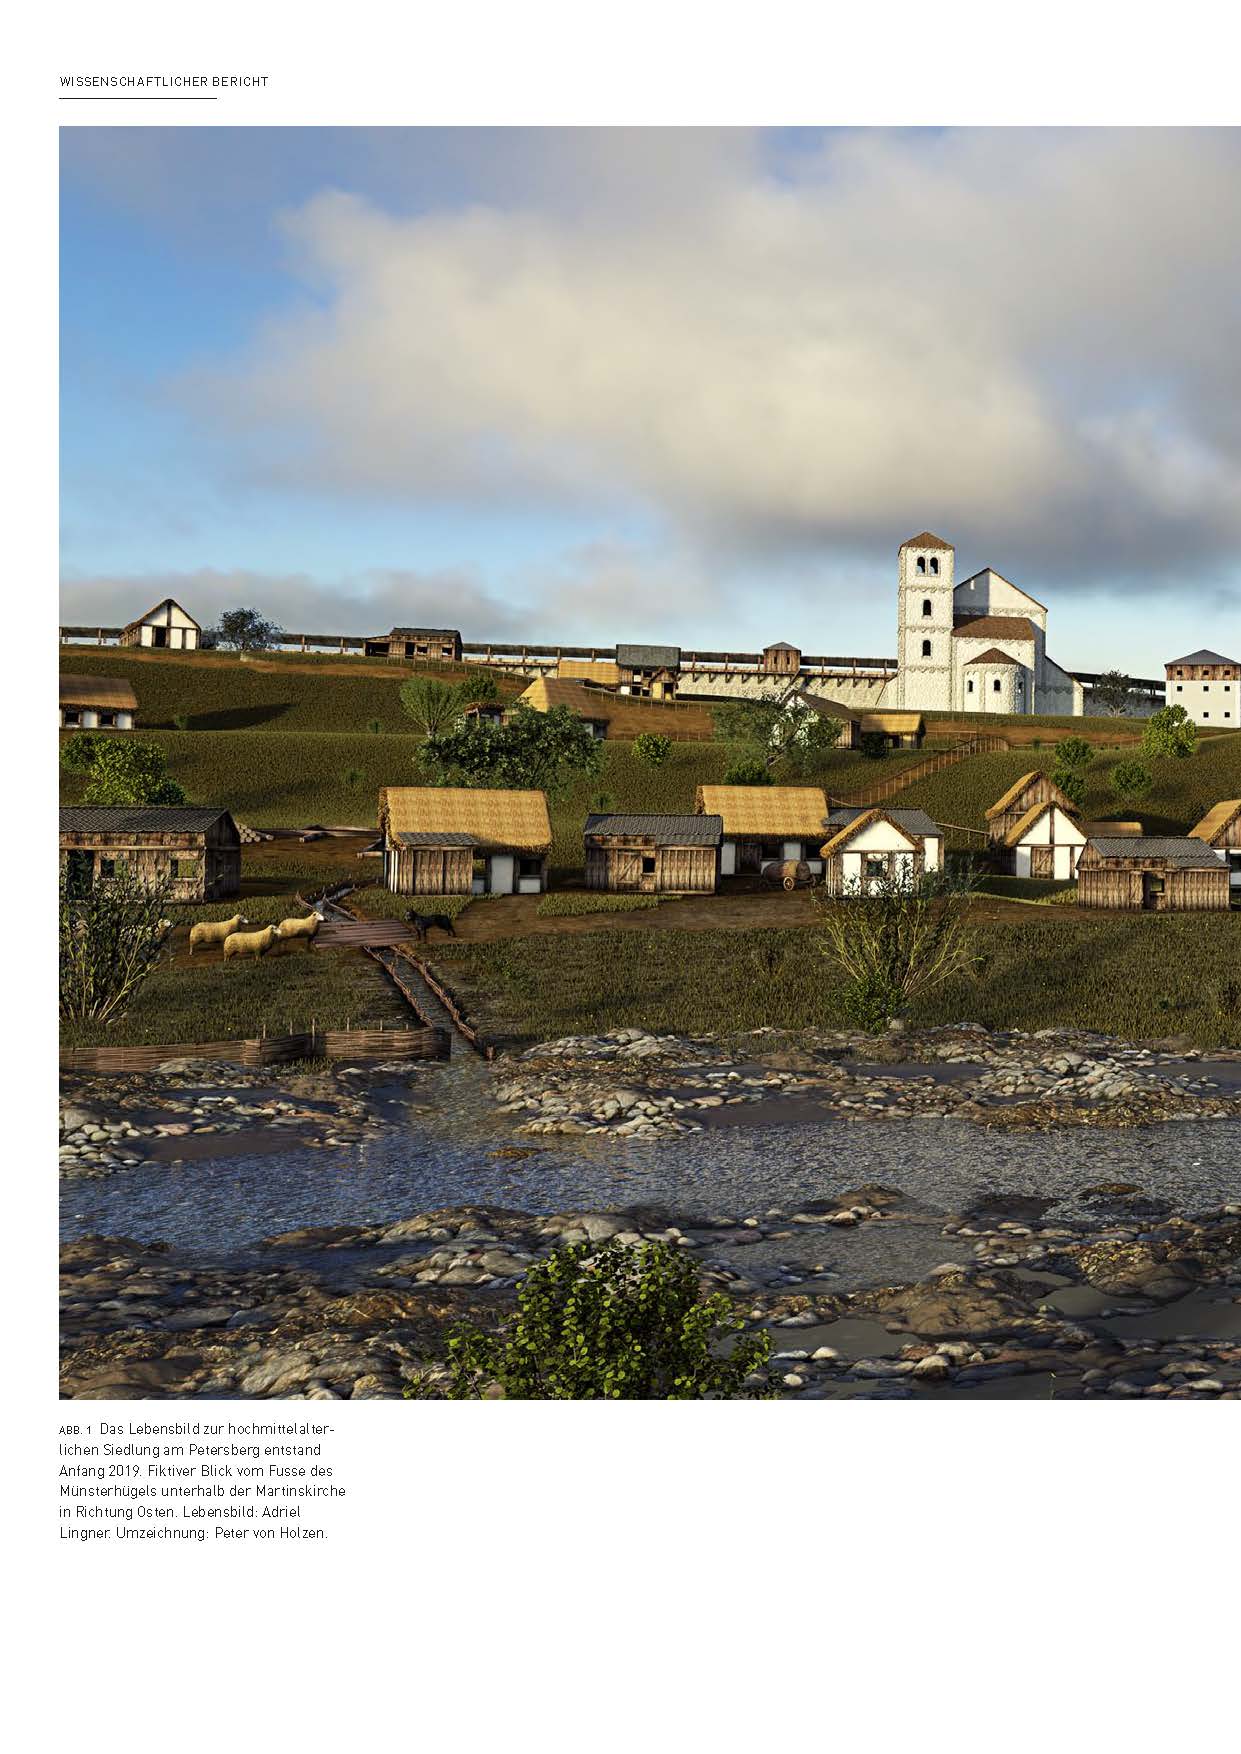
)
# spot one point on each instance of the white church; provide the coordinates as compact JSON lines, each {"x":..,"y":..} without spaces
{"x":978,"y":646}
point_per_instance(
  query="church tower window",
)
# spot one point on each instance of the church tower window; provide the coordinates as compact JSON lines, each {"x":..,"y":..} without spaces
{"x":922,"y":563}
{"x":934,"y":564}
{"x":926,"y":648}
{"x":995,"y":686}
{"x":926,"y":606}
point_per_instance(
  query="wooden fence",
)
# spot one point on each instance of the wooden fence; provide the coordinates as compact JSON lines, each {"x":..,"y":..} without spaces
{"x":460,"y":1022}
{"x":267,"y":1050}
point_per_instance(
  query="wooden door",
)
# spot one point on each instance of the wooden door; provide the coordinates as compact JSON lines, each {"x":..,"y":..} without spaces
{"x":1042,"y":862}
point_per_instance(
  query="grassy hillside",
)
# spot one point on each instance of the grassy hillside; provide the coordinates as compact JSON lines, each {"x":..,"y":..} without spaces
{"x":1183,"y":792}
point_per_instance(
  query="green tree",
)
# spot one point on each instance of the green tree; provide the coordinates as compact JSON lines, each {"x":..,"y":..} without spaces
{"x":477,"y":689}
{"x":895,"y":940}
{"x":1071,"y":757}
{"x":1072,"y":752}
{"x":1113,"y":691}
{"x":245,"y":630}
{"x":612,"y":1323}
{"x":111,"y":937}
{"x":1170,"y":732}
{"x":1130,"y":780}
{"x":121,"y":770}
{"x":748,"y":770}
{"x":532,"y":750}
{"x":652,"y":749}
{"x":775,"y":731}
{"x":434,"y":706}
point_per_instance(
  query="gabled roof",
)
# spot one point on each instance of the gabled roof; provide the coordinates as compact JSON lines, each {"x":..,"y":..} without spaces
{"x":1172,"y":849}
{"x":1020,"y":829}
{"x":1029,"y":597}
{"x":927,"y":540}
{"x":1202,"y":657}
{"x":604,"y":671}
{"x":992,"y":656}
{"x":662,"y":831}
{"x":837,"y":842}
{"x":1110,"y":829}
{"x":911,"y":821}
{"x":500,"y":820}
{"x":549,"y":691}
{"x":138,"y":819}
{"x":765,"y":812}
{"x":895,"y":724}
{"x":648,"y":657}
{"x":994,"y":627}
{"x":442,"y":837}
{"x":1216,"y":820}
{"x":780,"y":645}
{"x":112,"y":692}
{"x":422,"y":633}
{"x":163,"y":603}
{"x":1014,"y":792}
{"x":827,"y":709}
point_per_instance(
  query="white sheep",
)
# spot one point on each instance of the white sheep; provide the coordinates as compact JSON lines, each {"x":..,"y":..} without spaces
{"x":215,"y":931}
{"x":250,"y":943}
{"x":300,"y":928}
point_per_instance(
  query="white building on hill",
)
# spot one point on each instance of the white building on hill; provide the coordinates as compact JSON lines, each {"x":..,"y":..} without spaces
{"x":1207,"y":686}
{"x":979,"y":646}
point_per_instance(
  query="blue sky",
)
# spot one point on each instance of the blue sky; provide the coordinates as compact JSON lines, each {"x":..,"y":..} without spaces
{"x":691,"y":385}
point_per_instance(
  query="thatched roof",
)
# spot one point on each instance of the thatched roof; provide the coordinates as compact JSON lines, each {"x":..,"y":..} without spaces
{"x":1035,"y":813}
{"x":1010,"y":797}
{"x":1093,"y":829}
{"x":864,"y":819}
{"x":550,"y":691}
{"x":604,"y":671}
{"x":495,"y":820}
{"x":765,"y":812}
{"x":113,"y":693}
{"x":895,"y":724}
{"x":1216,"y":820}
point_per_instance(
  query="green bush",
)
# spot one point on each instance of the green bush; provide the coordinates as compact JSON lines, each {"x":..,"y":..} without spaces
{"x":1170,"y":732}
{"x":748,"y":771}
{"x":652,"y":749}
{"x":1131,"y":780}
{"x":610,"y":1324}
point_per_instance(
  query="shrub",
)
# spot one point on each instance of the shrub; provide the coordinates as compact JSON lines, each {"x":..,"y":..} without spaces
{"x":896,"y":940}
{"x":613,"y":1323}
{"x":121,"y":770}
{"x":1130,"y":780}
{"x":110,"y":939}
{"x":1170,"y":731}
{"x":434,"y":706}
{"x":245,"y":630}
{"x":652,"y":749}
{"x":532,"y":750}
{"x":747,"y":770}
{"x":874,"y":745}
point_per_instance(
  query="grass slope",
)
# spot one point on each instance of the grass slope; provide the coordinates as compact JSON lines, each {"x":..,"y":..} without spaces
{"x":1139,"y":977}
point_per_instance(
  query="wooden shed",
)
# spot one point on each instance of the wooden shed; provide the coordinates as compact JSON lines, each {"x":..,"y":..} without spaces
{"x":849,"y":720}
{"x":198,"y":850}
{"x":899,"y":730}
{"x":1021,"y":797}
{"x":461,"y":840}
{"x":1152,"y":874}
{"x":1221,"y":828}
{"x":441,"y":645}
{"x":762,"y":824}
{"x":649,"y":670}
{"x":866,"y":847}
{"x":97,"y":703}
{"x":166,"y":627}
{"x":653,"y":855}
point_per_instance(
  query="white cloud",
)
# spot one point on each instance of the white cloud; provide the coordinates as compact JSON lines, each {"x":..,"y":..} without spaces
{"x":1024,"y":340}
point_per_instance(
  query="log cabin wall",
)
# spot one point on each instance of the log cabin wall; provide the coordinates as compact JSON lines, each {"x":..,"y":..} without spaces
{"x":433,"y":870}
{"x":199,"y":868}
{"x":618,"y":866}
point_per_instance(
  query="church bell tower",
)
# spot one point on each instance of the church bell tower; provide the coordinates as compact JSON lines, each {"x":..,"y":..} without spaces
{"x":924,"y":623}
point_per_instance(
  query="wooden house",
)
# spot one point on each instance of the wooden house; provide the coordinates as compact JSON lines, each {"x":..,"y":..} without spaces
{"x":439,"y":645}
{"x":459,"y":840}
{"x":649,"y":670}
{"x":198,"y":850}
{"x":849,"y":720}
{"x":1032,"y":788}
{"x":97,"y":703}
{"x":781,"y":659}
{"x":590,"y":705}
{"x":865,"y":848}
{"x":166,"y":627}
{"x":603,"y":672}
{"x":899,"y":730}
{"x":653,"y":855}
{"x":1221,"y":828}
{"x":1151,"y":874}
{"x":1046,"y":842}
{"x":762,"y":824}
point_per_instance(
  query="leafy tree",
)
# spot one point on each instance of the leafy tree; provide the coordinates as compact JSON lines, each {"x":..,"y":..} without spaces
{"x":477,"y":689}
{"x":1170,"y":731}
{"x":773,"y":731}
{"x":1072,"y":782}
{"x":1072,"y":752}
{"x":1131,"y":780}
{"x":612,"y":1323}
{"x":894,"y":940}
{"x":1113,"y":691}
{"x":245,"y":630}
{"x":538,"y":751}
{"x":651,"y":749}
{"x":434,"y":706}
{"x":121,"y":770}
{"x":110,"y":940}
{"x":1071,"y":757}
{"x":748,"y":770}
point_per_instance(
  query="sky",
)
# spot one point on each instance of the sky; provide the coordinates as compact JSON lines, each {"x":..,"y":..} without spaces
{"x":689,"y":385}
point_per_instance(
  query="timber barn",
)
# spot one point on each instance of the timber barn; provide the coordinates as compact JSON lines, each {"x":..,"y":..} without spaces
{"x":1221,"y":828}
{"x":1021,"y":797}
{"x":440,"y":645}
{"x":97,"y":703}
{"x":461,"y":840}
{"x":649,"y":670}
{"x":198,"y":851}
{"x":653,"y":855}
{"x":166,"y":627}
{"x":763,"y":824}
{"x":1151,"y":874}
{"x":867,"y":848}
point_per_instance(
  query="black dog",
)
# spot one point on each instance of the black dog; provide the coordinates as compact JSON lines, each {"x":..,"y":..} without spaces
{"x":422,"y":924}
